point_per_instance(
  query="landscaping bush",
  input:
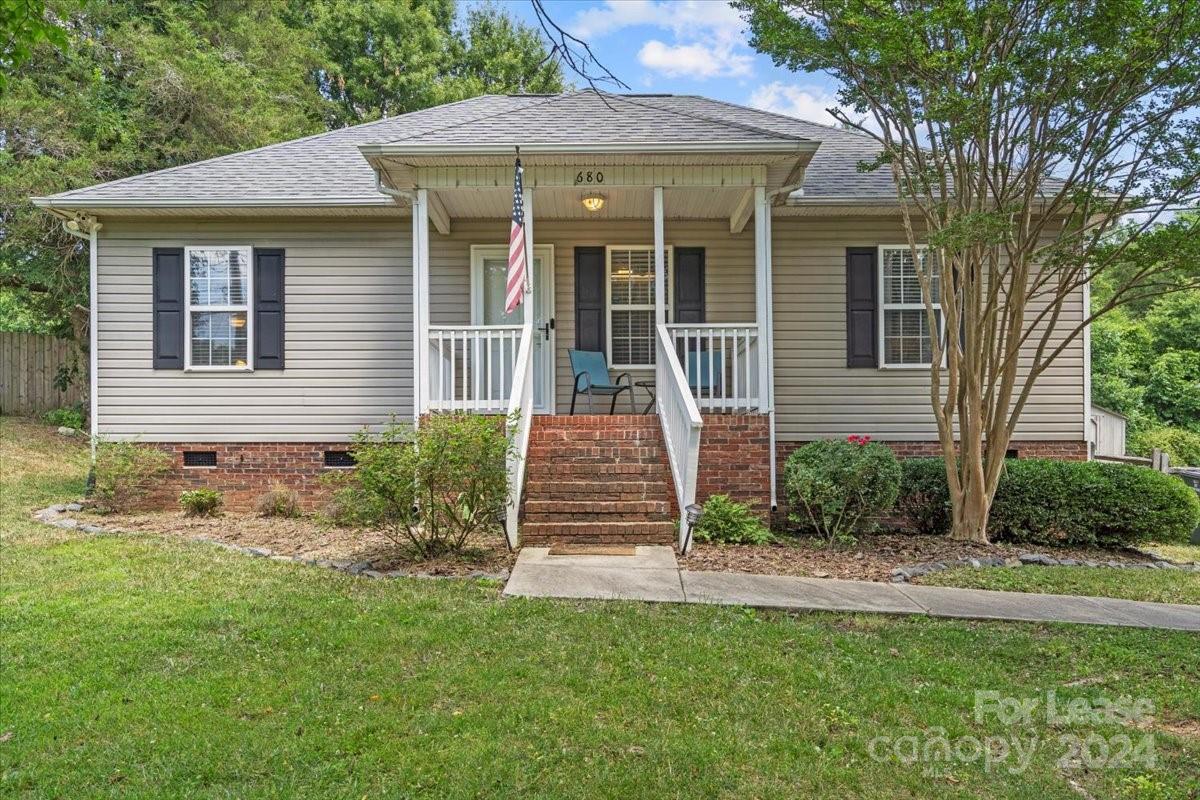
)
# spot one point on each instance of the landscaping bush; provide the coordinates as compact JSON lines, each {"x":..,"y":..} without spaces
{"x":1063,"y":503}
{"x":924,"y":499}
{"x":278,"y":501}
{"x":1181,"y":445}
{"x":430,"y":489}
{"x":840,"y":488}
{"x":125,"y":472}
{"x":730,"y":522}
{"x":201,"y":502}
{"x":67,"y":417}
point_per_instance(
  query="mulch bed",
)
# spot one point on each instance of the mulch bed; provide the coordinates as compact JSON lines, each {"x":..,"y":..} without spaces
{"x":307,"y":537}
{"x":871,"y":559}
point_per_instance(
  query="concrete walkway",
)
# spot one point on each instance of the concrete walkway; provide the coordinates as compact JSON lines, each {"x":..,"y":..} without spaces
{"x":654,"y":575}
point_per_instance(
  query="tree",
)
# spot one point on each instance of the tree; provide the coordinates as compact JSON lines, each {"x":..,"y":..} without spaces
{"x":387,"y":57}
{"x":145,"y":86}
{"x":1019,"y":134}
{"x":23,"y":25}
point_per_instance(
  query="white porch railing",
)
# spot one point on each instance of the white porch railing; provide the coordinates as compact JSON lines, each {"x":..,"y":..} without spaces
{"x":681,"y":423}
{"x":471,"y":367}
{"x":520,"y":423}
{"x":721,"y":364}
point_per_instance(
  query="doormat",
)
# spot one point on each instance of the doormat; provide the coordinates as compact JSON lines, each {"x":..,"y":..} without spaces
{"x":593,"y":550}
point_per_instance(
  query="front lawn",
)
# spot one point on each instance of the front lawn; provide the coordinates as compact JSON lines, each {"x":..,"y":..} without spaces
{"x":141,"y":666}
{"x":1159,"y":586}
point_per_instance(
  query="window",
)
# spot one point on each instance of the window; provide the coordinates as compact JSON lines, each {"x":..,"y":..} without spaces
{"x":631,"y":300}
{"x":218,"y":308}
{"x":904,"y":328}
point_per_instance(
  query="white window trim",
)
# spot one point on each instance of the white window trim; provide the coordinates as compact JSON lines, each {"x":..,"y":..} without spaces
{"x":884,"y":307}
{"x":669,"y":249}
{"x":188,"y":308}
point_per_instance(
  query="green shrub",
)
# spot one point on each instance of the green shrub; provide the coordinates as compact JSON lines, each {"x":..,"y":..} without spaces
{"x":924,"y":499}
{"x":201,"y":502}
{"x":125,"y":473}
{"x":840,"y":488}
{"x":430,"y":489}
{"x":1062,"y":503}
{"x":727,"y":521}
{"x":1181,"y":445}
{"x":278,"y":501}
{"x":67,"y":417}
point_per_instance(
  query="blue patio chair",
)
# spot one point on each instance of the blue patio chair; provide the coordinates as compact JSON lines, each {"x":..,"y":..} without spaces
{"x":592,"y":377}
{"x":704,"y":379}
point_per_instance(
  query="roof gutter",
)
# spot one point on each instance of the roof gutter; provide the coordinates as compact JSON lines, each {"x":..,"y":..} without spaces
{"x":781,"y":147}
{"x":52,"y":203}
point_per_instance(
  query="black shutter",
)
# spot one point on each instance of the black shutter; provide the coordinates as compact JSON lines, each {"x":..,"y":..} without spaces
{"x":590,"y":299}
{"x":169,"y":306}
{"x":689,"y":285}
{"x":268,"y":309}
{"x":861,"y":300}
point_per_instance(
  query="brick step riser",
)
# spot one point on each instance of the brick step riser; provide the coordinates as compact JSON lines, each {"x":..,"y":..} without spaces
{"x":599,"y":519}
{"x":602,"y":473}
{"x":596,"y":507}
{"x":653,"y":492}
{"x":608,"y":527}
{"x":538,"y":540}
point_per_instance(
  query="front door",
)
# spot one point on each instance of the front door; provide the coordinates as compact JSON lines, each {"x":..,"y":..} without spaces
{"x":489,"y":276}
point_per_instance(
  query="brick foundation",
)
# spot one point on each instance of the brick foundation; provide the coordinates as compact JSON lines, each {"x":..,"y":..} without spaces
{"x":244,"y":471}
{"x":735,"y":459}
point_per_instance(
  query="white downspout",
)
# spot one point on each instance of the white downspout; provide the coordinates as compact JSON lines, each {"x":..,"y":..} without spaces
{"x":86,"y":228}
{"x":420,"y":253}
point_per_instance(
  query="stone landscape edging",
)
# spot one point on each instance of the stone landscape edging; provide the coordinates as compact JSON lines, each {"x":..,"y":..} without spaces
{"x":56,"y":516}
{"x":906,"y":572}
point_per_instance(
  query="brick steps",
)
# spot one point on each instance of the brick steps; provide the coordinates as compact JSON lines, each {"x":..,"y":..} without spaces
{"x":597,"y":479}
{"x":546,"y":533}
{"x":610,"y":487}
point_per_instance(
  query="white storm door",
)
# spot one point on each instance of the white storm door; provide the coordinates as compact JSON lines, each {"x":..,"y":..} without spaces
{"x":489,"y":277}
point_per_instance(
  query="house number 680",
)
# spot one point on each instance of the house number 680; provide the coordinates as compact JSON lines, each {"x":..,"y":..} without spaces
{"x":589,"y":177}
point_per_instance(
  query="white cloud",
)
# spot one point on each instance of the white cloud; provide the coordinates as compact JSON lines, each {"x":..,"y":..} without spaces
{"x":707,"y":39}
{"x":681,"y":18}
{"x":805,"y":102}
{"x":697,"y":61}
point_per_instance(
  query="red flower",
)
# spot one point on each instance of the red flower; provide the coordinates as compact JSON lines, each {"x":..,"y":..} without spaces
{"x":858,"y":439}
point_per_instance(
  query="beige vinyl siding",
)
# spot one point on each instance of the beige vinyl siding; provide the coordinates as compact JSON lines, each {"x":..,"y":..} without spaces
{"x":816,"y":395}
{"x":729,"y":273}
{"x":348,"y":335}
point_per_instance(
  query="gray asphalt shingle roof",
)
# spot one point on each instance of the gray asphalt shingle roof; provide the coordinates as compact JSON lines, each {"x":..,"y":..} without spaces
{"x":329,"y":166}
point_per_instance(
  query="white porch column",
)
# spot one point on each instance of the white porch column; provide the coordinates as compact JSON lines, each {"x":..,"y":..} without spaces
{"x":660,"y":274}
{"x":420,"y":289}
{"x":762,"y":294}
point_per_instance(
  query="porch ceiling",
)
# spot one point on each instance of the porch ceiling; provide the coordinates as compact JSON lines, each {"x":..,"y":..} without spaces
{"x":620,"y":203}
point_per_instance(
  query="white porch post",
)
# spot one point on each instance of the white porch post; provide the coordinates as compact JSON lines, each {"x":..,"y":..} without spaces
{"x":420,"y":289}
{"x":660,"y":275}
{"x":764,"y":317}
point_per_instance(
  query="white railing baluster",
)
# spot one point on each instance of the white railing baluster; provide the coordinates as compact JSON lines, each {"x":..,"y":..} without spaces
{"x":472,"y":367}
{"x":719,"y":364}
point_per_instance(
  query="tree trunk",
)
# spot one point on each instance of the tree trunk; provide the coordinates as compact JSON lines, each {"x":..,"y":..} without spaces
{"x":970,"y":514}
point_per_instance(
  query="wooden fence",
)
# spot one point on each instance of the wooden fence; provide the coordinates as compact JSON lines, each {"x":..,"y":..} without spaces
{"x":29,"y":363}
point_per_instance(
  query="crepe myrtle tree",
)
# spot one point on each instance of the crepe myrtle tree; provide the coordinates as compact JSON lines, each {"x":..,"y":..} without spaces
{"x":1034,"y":144}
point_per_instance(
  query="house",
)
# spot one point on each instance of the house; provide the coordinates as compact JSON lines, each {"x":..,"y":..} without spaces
{"x":252,"y":312}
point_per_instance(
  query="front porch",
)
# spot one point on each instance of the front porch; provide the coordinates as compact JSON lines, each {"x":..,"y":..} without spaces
{"x":670,"y":278}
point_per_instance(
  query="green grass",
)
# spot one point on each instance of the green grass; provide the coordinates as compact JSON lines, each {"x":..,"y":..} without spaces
{"x":1176,"y":552}
{"x":135,"y":666}
{"x":1159,"y":586}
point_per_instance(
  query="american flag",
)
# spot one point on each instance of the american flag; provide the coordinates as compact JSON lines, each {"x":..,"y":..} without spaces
{"x":516,"y":247}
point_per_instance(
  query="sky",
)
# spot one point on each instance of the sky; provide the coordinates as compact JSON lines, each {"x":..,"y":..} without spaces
{"x":686,"y":47}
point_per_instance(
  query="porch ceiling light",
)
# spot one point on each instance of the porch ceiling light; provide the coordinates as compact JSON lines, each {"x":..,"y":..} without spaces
{"x":593,"y":201}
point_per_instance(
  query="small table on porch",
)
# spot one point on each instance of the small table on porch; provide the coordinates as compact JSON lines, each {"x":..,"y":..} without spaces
{"x":648,"y":385}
